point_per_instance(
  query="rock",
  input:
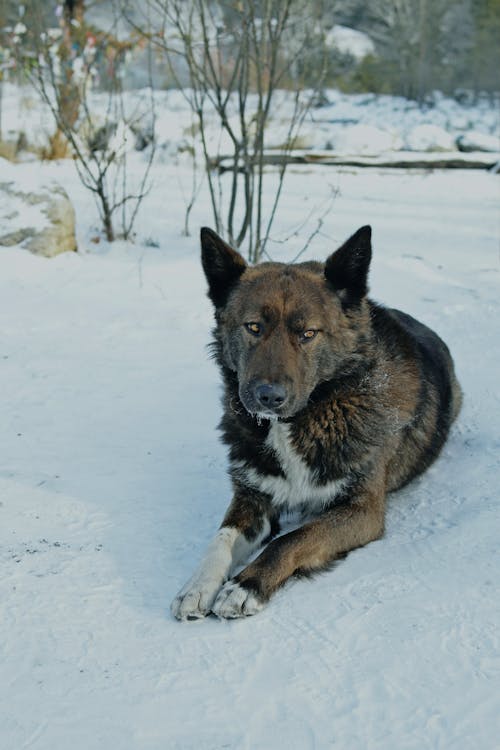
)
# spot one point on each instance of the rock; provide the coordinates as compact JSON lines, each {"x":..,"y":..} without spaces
{"x":430,"y":138}
{"x":365,"y":139}
{"x":107,"y":136}
{"x":99,"y":139}
{"x":459,"y":121}
{"x":144,"y":132}
{"x":349,"y":41}
{"x":42,"y":221}
{"x":476,"y":141}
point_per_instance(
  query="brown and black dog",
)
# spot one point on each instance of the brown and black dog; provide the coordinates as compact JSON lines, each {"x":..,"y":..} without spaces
{"x":331,"y":401}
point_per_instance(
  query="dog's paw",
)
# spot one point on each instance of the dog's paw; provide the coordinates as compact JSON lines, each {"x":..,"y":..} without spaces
{"x":233,"y":600}
{"x":195,"y":600}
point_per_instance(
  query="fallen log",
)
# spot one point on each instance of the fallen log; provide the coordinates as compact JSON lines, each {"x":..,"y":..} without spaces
{"x":395,"y":160}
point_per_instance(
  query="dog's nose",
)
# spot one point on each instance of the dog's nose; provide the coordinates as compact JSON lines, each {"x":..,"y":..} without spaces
{"x":270,"y":395}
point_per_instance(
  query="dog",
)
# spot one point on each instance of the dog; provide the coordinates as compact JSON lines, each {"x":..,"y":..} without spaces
{"x":331,"y":401}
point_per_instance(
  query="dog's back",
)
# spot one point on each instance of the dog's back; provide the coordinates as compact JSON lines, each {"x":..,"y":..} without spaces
{"x":439,"y":396}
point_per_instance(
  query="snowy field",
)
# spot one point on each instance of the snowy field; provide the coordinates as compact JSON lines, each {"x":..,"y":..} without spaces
{"x":113,"y":482}
{"x":366,"y":124}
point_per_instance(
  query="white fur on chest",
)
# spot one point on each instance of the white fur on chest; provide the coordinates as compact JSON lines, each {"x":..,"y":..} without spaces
{"x":299,"y":486}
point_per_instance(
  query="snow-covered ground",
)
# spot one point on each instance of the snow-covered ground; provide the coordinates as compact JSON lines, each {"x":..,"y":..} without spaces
{"x":113,"y":481}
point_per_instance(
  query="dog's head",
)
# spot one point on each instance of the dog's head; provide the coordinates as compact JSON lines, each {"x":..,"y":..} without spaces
{"x":285,"y":329}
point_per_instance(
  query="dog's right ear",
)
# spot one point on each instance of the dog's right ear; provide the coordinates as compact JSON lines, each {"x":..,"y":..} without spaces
{"x":223,"y":266}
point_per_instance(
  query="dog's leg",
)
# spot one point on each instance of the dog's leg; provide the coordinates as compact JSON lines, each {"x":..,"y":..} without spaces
{"x":307,"y":549}
{"x":246,"y":524}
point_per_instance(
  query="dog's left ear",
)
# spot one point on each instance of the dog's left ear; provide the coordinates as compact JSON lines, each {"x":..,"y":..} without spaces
{"x":223,"y":266}
{"x":346,"y":270}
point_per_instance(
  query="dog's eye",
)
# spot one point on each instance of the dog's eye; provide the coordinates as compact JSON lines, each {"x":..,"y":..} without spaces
{"x":308,"y":335}
{"x":254,"y":328}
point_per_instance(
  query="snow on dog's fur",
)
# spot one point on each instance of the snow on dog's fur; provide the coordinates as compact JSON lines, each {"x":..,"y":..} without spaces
{"x":331,"y":401}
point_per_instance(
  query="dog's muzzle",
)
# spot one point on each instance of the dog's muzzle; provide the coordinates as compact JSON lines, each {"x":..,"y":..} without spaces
{"x":262,"y":397}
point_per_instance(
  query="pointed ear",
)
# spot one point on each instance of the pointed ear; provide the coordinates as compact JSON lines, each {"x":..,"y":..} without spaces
{"x":346,"y":270}
{"x":223,"y":266}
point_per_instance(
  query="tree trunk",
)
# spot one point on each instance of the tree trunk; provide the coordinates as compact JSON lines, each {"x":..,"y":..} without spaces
{"x":69,"y":92}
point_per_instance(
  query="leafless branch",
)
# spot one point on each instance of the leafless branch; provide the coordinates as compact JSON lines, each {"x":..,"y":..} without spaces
{"x":236,"y":54}
{"x":94,"y":161}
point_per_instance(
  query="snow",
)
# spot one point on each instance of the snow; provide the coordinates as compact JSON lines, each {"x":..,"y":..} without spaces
{"x":349,"y":41}
{"x":15,"y":211}
{"x":430,"y":138}
{"x":400,"y":117}
{"x":349,"y":123}
{"x":473,"y":141}
{"x":113,"y":483}
{"x":365,"y":140}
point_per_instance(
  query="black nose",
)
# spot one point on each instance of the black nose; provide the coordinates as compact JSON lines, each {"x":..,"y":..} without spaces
{"x":270,"y":395}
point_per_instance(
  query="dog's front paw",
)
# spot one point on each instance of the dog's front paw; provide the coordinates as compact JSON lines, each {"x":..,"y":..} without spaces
{"x":234,"y":600}
{"x":195,"y":600}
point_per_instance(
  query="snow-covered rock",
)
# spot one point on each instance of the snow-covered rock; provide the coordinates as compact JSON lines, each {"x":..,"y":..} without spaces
{"x":430,"y":138}
{"x":41,"y":220}
{"x":476,"y":141}
{"x":348,"y":41}
{"x":365,"y":139}
{"x":459,"y":121}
